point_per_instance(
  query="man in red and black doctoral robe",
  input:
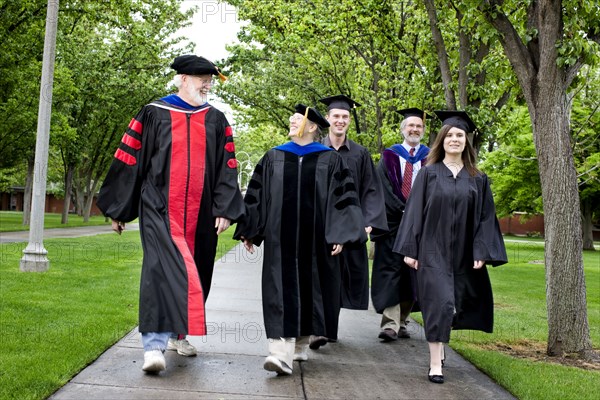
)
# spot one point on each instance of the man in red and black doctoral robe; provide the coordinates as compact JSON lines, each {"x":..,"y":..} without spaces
{"x":302,"y":204}
{"x":176,"y":171}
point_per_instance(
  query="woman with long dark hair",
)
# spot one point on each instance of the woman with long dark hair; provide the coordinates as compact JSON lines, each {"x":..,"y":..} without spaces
{"x":448,"y":234}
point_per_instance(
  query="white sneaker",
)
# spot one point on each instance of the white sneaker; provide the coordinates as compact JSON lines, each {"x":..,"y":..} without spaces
{"x":274,"y":364}
{"x":182,"y":346}
{"x":154,"y":361}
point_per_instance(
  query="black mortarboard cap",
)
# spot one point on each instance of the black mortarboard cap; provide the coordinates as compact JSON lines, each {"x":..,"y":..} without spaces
{"x":340,"y":101}
{"x":457,"y":119}
{"x":313,"y":115}
{"x":191,"y":64}
{"x":414,"y":112}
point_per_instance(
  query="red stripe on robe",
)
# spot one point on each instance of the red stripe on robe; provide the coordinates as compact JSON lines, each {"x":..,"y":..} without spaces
{"x":125,"y":157}
{"x":136,"y":126}
{"x":186,"y":186}
{"x":131,"y":142}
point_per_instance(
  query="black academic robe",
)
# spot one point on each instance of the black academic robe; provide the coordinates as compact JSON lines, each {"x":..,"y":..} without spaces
{"x":175,"y":170}
{"x":299,"y":206}
{"x":391,"y":279}
{"x":354,"y":259}
{"x":450,"y":222}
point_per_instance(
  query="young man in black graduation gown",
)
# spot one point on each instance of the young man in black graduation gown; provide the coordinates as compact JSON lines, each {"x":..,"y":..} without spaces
{"x":176,"y":171}
{"x":301,"y":203}
{"x":354,"y":259}
{"x":391,"y":284}
{"x":448,"y":233}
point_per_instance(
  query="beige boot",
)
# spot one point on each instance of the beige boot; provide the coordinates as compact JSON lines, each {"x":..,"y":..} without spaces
{"x":281,"y":356}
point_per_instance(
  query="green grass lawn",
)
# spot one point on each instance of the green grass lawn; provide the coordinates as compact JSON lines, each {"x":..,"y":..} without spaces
{"x":13,"y":221}
{"x":53,"y":324}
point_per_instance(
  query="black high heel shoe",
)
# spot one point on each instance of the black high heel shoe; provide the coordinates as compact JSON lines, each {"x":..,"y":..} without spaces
{"x":435,"y":378}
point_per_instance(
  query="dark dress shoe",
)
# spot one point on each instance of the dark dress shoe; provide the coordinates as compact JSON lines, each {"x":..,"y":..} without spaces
{"x":403,"y":333}
{"x":435,"y":378}
{"x":388,"y":335}
{"x":317,"y":341}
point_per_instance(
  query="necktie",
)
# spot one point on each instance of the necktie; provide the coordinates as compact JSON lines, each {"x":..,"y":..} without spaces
{"x":407,"y":178}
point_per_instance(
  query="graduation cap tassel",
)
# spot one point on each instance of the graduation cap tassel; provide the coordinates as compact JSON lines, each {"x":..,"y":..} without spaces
{"x":355,"y":114}
{"x":222,"y":77}
{"x":301,"y":130}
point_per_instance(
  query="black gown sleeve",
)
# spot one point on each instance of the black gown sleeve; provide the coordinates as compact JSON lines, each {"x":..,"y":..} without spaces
{"x":394,"y":207}
{"x":119,"y":196}
{"x":371,"y":196}
{"x":344,"y":222}
{"x":227,"y":199}
{"x":488,"y":244}
{"x":252,"y":224}
{"x":411,"y":226}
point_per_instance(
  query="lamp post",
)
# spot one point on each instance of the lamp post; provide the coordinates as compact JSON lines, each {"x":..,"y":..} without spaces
{"x":35,"y":255}
{"x":245,"y":171}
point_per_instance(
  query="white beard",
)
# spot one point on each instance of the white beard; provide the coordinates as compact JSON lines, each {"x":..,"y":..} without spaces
{"x":197,"y":97}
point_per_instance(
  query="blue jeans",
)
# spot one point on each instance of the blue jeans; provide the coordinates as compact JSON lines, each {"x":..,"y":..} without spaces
{"x":156,"y":340}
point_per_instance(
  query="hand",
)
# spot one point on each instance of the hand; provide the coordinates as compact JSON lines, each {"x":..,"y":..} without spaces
{"x":248,"y":245}
{"x":337,"y":249}
{"x":411,"y":262}
{"x":368,"y":229}
{"x":478,"y":264}
{"x":118,"y":226}
{"x":221,"y":224}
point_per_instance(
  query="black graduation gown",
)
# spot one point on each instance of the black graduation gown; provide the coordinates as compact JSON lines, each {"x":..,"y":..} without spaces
{"x":176,"y":170}
{"x":391,"y":279}
{"x":299,"y":206}
{"x":447,"y":225}
{"x":354,"y":259}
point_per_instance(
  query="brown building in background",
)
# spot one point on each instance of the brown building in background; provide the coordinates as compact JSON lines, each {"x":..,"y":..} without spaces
{"x":13,"y":201}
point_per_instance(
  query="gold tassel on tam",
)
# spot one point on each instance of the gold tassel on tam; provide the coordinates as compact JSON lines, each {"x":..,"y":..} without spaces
{"x":301,"y":130}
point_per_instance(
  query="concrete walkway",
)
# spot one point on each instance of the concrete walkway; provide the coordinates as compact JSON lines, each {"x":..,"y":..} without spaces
{"x":23,"y":236}
{"x":230,"y":359}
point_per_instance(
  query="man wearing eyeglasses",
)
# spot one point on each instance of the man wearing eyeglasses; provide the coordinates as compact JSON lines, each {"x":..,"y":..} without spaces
{"x":175,"y":169}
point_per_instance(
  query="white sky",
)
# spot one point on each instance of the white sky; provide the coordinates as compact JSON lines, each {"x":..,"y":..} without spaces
{"x":214,"y":25}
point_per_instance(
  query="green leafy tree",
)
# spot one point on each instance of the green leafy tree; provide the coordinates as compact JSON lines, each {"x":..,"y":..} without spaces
{"x":112,"y":57}
{"x":585,"y":131}
{"x":547,"y":42}
{"x":512,"y":167}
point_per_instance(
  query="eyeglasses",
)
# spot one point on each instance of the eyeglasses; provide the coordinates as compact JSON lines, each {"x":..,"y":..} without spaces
{"x":296,"y":117}
{"x":204,"y":81}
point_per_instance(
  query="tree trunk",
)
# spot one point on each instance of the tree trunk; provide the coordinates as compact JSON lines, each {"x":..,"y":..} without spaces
{"x":544,"y":85}
{"x":464,"y":52}
{"x":568,"y":329}
{"x":378,"y":112}
{"x":79,"y":193}
{"x":89,"y":201}
{"x":67,"y":200}
{"x":442,"y":55}
{"x":28,"y":191}
{"x":586,"y":218}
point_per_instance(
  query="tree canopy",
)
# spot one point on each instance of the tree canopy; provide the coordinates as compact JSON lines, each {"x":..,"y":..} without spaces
{"x":112,"y":57}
